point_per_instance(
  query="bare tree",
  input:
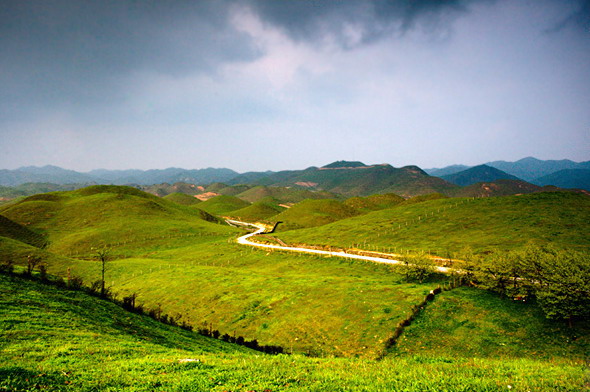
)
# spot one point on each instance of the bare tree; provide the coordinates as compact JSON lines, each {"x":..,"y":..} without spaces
{"x":103,"y":256}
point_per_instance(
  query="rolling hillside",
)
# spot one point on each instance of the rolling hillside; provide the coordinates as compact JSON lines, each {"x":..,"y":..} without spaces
{"x":15,"y":231}
{"x":99,"y":346}
{"x":499,"y":188}
{"x":356,"y":179}
{"x":182,"y":198}
{"x":284,"y":195}
{"x":220,"y":205}
{"x":448,"y":225}
{"x":102,"y":215}
{"x":311,"y":213}
{"x":481,"y":173}
{"x":374,"y":202}
{"x":260,"y":210}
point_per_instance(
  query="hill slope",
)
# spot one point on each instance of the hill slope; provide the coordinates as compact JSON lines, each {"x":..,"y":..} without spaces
{"x":498,"y":188}
{"x":311,"y":213}
{"x":568,"y":178}
{"x":448,"y":225}
{"x":98,"y":216}
{"x":361,"y":180}
{"x":531,"y":168}
{"x":11,"y":229}
{"x":59,"y":340}
{"x":282,"y":194}
{"x":222,"y":204}
{"x":481,"y":173}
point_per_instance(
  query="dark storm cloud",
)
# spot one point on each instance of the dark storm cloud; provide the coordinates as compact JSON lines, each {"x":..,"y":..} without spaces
{"x":578,"y":19}
{"x":79,"y":51}
{"x":371,"y":19}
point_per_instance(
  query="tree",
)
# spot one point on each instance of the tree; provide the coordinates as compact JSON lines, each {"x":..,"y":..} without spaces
{"x":561,"y":281}
{"x":418,"y":267}
{"x":32,"y":262}
{"x":103,"y":256}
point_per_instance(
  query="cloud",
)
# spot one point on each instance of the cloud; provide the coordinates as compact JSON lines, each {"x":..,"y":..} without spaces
{"x":83,"y":52}
{"x":350,"y":24}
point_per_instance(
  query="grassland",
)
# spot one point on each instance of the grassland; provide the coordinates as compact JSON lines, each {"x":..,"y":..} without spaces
{"x":182,"y":198}
{"x":340,"y":310}
{"x":311,"y":213}
{"x":67,"y":341}
{"x":222,"y":204}
{"x":444,"y":226}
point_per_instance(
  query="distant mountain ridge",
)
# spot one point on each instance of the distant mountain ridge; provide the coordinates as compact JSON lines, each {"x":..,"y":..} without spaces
{"x":347,"y":178}
{"x":57,"y":175}
{"x":481,"y":173}
{"x":533,"y":170}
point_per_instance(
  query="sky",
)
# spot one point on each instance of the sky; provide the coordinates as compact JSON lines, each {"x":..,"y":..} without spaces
{"x":257,"y":85}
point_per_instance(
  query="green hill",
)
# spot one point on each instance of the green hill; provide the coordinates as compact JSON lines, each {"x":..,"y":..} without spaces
{"x":260,"y":210}
{"x":182,"y":198}
{"x":59,"y":340}
{"x":222,"y":204}
{"x":362,"y":180}
{"x":229,"y":190}
{"x":481,"y":173}
{"x":311,"y":213}
{"x":282,"y":194}
{"x":498,"y":188}
{"x":97,"y":216}
{"x":374,"y":202}
{"x":11,"y":229}
{"x":447,"y":225}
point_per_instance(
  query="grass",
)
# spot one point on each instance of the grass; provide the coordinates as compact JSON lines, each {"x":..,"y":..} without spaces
{"x":59,"y":340}
{"x":222,"y":204}
{"x":11,"y":229}
{"x":468,"y":322}
{"x":182,"y":198}
{"x":445,"y":226}
{"x":311,"y":213}
{"x":118,"y":217}
{"x":282,"y":194}
{"x":340,"y":310}
{"x":260,"y":210}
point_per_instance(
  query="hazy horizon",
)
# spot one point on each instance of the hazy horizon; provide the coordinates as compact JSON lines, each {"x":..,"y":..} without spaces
{"x":255,"y":85}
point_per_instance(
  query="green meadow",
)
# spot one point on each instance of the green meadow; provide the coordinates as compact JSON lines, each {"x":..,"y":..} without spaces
{"x":445,"y":226}
{"x":334,"y":317}
{"x":59,"y":340}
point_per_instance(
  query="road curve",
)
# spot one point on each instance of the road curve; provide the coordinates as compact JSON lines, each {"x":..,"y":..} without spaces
{"x":244,"y":240}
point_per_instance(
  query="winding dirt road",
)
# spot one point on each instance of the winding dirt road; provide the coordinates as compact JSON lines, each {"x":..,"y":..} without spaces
{"x":245,"y":240}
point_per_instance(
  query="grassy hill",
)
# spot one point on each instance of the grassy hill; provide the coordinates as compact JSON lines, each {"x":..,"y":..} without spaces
{"x":374,"y":202}
{"x":356,"y":179}
{"x":498,"y":188}
{"x":67,"y":341}
{"x":76,"y":222}
{"x":260,"y":210}
{"x":282,"y":194}
{"x":447,"y":225}
{"x":311,"y":213}
{"x":182,"y":198}
{"x":481,"y":173}
{"x":11,"y":229}
{"x":222,"y":204}
{"x":335,"y":308}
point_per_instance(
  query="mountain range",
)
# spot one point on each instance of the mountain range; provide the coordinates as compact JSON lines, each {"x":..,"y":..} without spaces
{"x":348,"y":178}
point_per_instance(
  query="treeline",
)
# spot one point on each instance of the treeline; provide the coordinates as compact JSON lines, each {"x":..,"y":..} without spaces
{"x":253,"y":344}
{"x":559,"y":280}
{"x":37,"y":270}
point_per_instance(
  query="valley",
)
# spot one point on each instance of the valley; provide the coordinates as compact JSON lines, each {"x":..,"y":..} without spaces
{"x":176,"y":255}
